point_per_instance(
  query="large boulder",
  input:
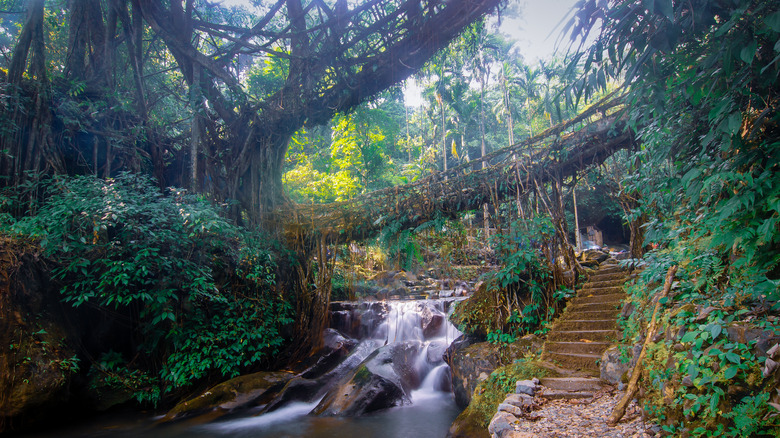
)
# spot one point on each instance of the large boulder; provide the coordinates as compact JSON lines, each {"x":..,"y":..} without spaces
{"x":381,"y":381}
{"x":432,"y":321}
{"x":472,"y":362}
{"x":238,"y":393}
{"x":468,"y":425}
{"x":615,"y":368}
{"x":38,"y":363}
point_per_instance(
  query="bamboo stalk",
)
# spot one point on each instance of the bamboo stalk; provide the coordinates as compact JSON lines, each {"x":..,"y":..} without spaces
{"x":620,"y":408}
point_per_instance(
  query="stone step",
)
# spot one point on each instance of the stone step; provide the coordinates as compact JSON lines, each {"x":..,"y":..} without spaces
{"x":603,"y":284}
{"x":589,"y":314}
{"x":604,"y":267}
{"x":579,"y":335}
{"x":607,"y":276}
{"x":585,"y":324}
{"x":576,"y":347}
{"x":572,"y":383}
{"x":600,"y":291}
{"x":575,"y":307}
{"x":552,"y":394}
{"x":580,"y":362}
{"x":600,"y":299}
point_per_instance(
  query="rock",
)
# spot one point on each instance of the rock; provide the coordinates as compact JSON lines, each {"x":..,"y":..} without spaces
{"x":38,"y":360}
{"x":382,"y":380}
{"x":594,"y":255}
{"x":526,"y":387}
{"x":468,"y":425}
{"x":627,"y":310}
{"x":335,"y":348}
{"x":432,"y":321}
{"x":471,"y":362}
{"x":240,"y":392}
{"x":435,"y":352}
{"x":612,"y":368}
{"x":462,"y":289}
{"x":744,"y":333}
{"x":446,"y":293}
{"x":467,"y":361}
{"x":512,"y":409}
{"x":522,"y":401}
{"x":502,"y":423}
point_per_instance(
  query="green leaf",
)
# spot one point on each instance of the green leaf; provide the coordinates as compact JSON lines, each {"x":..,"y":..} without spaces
{"x":689,"y":337}
{"x":749,"y":52}
{"x":715,"y":330}
{"x":730,"y":372}
{"x":732,"y":357}
{"x":773,"y":21}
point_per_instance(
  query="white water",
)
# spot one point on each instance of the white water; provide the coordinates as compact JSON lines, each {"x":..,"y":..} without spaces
{"x":282,"y":415}
{"x":430,"y":413}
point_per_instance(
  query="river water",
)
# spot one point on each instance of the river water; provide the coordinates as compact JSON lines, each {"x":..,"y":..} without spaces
{"x":429,"y":414}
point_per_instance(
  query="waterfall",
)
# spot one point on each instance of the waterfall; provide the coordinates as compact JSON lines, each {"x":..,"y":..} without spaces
{"x":376,"y":324}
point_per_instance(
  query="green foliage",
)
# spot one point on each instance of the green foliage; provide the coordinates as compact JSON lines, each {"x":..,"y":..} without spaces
{"x":492,"y":391}
{"x":111,"y":370}
{"x":517,"y":298}
{"x":702,"y":81}
{"x":201,"y":291}
{"x":226,"y":338}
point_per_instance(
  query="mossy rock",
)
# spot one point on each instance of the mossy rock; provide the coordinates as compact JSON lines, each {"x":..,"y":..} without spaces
{"x":489,"y":393}
{"x":240,"y":392}
{"x":468,"y":425}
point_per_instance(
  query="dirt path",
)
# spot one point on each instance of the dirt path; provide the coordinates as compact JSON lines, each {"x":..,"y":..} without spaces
{"x":582,"y":418}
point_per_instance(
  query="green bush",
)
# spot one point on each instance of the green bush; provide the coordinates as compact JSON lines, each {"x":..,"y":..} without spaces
{"x":201,"y":291}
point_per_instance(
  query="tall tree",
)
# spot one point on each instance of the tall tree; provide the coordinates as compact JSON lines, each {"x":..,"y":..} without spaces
{"x":336,"y":58}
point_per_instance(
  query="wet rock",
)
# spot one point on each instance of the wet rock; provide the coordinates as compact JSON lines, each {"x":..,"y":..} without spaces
{"x":471,"y":362}
{"x":435,"y":353}
{"x":446,"y":293}
{"x":468,"y":425}
{"x":381,"y":381}
{"x":240,"y":392}
{"x":432,"y":321}
{"x":336,"y":347}
{"x":462,"y":289}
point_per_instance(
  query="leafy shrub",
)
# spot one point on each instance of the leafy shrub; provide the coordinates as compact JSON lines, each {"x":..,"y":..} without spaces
{"x":201,"y":291}
{"x":517,"y":297}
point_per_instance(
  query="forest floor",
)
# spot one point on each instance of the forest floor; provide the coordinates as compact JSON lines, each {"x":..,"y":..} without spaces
{"x":584,"y":417}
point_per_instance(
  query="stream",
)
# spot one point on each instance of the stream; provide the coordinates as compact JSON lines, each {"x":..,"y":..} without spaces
{"x":427,"y":410}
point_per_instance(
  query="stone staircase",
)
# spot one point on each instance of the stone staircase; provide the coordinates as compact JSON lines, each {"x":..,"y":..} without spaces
{"x":584,"y":331}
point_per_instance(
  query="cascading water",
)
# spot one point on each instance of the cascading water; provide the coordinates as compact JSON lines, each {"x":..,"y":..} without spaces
{"x":397,"y":346}
{"x":421,"y":330}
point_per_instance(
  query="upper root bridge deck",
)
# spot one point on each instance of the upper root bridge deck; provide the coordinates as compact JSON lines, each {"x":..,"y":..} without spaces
{"x":559,"y":152}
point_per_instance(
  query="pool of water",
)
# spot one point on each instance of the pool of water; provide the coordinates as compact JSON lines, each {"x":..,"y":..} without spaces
{"x":429,"y":415}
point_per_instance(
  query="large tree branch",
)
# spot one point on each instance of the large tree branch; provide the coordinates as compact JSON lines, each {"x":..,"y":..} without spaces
{"x":413,"y":204}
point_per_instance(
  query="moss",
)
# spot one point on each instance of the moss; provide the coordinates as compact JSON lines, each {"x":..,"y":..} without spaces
{"x":477,"y":314}
{"x":492,"y":391}
{"x":362,"y":375}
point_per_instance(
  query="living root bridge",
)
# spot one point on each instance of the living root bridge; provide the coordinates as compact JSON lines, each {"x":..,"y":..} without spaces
{"x":555,"y":154}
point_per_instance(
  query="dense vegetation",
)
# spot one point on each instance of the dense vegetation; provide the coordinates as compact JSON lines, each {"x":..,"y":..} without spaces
{"x":703,"y":84}
{"x":107,"y":103}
